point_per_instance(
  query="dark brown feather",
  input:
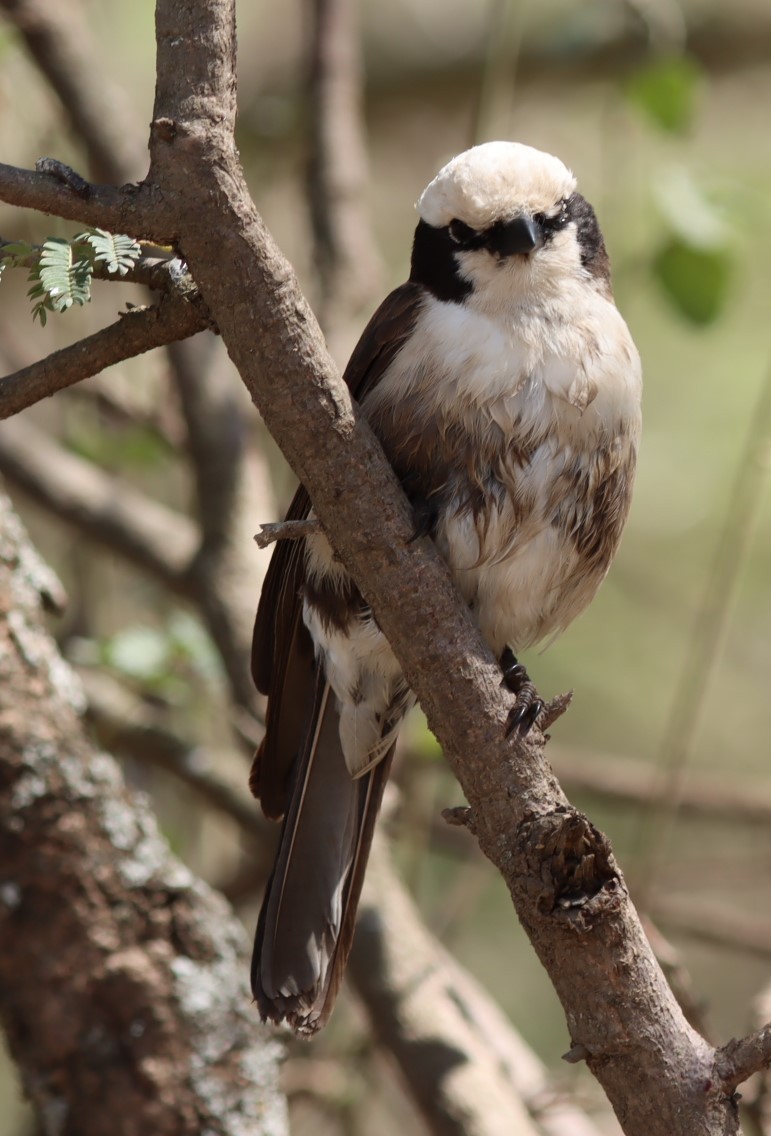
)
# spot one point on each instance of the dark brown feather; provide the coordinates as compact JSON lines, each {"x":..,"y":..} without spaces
{"x":307,"y":920}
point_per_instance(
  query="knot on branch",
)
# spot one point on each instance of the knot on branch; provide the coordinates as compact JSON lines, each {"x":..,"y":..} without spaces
{"x":571,"y":864}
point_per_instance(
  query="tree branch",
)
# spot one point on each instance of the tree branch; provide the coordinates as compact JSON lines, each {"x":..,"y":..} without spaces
{"x":130,"y":209}
{"x":710,"y":923}
{"x":738,"y":1060}
{"x":123,"y":978}
{"x":422,"y":1003}
{"x":125,"y":724}
{"x":136,"y":331}
{"x":465,"y":1065}
{"x":567,"y":888}
{"x":155,"y":538}
{"x":230,"y":488}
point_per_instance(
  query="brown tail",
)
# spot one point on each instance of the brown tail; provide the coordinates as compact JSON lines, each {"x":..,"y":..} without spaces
{"x":306,"y":924}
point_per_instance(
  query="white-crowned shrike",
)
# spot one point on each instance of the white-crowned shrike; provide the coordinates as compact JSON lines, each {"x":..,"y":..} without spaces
{"x":505,"y":389}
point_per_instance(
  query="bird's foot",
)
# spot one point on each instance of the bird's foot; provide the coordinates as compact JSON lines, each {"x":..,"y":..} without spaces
{"x":529,"y":704}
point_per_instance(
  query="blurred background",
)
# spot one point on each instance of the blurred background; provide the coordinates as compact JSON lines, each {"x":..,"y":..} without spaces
{"x":662,"y":111}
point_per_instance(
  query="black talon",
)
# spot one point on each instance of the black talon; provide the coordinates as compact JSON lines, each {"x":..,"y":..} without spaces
{"x":524,"y":715}
{"x":528,"y":705}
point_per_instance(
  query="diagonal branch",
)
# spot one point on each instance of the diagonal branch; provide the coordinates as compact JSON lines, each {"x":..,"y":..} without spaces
{"x":566,"y":885}
{"x":136,"y":331}
{"x":152,"y":536}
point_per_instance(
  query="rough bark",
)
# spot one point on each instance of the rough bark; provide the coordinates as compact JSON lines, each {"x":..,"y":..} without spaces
{"x":123,"y":978}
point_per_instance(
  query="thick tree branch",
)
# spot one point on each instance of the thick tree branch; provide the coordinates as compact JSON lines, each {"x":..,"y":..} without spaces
{"x":130,"y":209}
{"x":152,"y":536}
{"x":567,"y":888}
{"x":465,"y":1064}
{"x":466,"y":1067}
{"x":123,"y":978}
{"x":136,"y":331}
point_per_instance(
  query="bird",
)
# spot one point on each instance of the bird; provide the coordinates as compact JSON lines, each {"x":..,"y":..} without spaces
{"x":505,"y":389}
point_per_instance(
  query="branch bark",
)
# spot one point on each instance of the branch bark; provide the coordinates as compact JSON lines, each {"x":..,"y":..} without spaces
{"x":123,"y":978}
{"x":567,"y":888}
{"x":135,"y":332}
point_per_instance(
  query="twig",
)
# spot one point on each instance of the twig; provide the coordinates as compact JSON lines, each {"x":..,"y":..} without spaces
{"x":287,"y":530}
{"x":152,"y":536}
{"x":227,"y":496}
{"x":738,"y":1060}
{"x":554,"y":709}
{"x":65,"y":174}
{"x":137,"y":331}
{"x":161,"y":274}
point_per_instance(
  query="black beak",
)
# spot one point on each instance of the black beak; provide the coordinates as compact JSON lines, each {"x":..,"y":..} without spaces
{"x":520,"y":236}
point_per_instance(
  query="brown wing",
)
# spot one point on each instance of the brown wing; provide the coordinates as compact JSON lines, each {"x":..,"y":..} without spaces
{"x":283,"y":664}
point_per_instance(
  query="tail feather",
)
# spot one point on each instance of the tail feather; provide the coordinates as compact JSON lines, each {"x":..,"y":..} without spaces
{"x":306,"y":925}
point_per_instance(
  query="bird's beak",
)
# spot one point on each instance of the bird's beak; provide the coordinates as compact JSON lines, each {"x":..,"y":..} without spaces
{"x":520,"y":236}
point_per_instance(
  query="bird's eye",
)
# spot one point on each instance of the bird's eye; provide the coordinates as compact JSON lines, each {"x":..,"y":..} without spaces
{"x":462,"y":233}
{"x":555,"y":222}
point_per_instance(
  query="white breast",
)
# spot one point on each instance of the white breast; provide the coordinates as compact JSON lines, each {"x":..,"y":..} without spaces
{"x":563,"y":379}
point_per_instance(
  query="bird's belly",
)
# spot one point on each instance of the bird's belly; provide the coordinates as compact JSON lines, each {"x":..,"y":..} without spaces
{"x":525,"y":580}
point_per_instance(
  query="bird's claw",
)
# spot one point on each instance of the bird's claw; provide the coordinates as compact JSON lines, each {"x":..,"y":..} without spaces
{"x":528,"y":705}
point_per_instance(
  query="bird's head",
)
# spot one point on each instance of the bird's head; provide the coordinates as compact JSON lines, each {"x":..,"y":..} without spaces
{"x":503,"y":221}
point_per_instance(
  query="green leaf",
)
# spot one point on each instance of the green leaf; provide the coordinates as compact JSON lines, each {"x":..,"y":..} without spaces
{"x":695,"y":280}
{"x":16,"y":250}
{"x":64,"y":274}
{"x":115,"y":250}
{"x":667,"y":91}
